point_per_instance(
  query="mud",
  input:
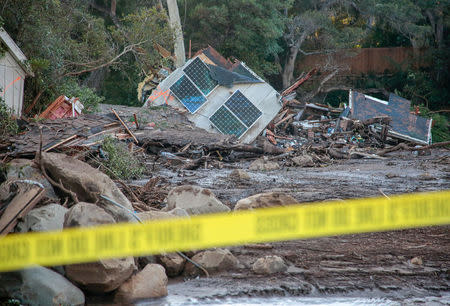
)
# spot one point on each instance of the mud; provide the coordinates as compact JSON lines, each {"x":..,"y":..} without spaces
{"x":371,"y":265}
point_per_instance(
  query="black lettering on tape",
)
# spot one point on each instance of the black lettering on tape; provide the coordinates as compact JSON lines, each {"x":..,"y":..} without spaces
{"x":77,"y":245}
{"x":14,"y":251}
{"x":341,"y":216}
{"x":188,"y":232}
{"x":51,"y":247}
{"x":277,"y":223}
{"x":365,"y":215}
{"x":316,"y":219}
{"x":165,"y":235}
{"x":105,"y":241}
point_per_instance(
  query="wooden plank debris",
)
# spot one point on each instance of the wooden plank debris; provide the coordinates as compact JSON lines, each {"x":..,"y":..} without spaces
{"x":125,"y":126}
{"x":20,"y":205}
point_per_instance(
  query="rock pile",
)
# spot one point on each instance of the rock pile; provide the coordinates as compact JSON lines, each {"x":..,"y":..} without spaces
{"x":126,"y":279}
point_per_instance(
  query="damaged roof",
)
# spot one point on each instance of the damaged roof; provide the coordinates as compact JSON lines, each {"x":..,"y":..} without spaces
{"x":15,"y":51}
{"x":225,"y":72}
{"x":404,"y":124}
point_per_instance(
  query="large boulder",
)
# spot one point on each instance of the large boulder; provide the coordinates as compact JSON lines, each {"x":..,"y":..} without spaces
{"x":86,"y":214}
{"x":104,"y":275}
{"x":172,"y":262}
{"x":262,"y":164}
{"x":151,"y":282}
{"x":26,"y":169}
{"x":46,"y":218}
{"x":303,"y":161}
{"x":101,"y":276}
{"x":88,"y":183}
{"x":194,"y":200}
{"x":158,"y":215}
{"x":269,"y":265}
{"x":213,"y":261}
{"x":39,"y":286}
{"x":239,"y":175}
{"x":268,"y":199}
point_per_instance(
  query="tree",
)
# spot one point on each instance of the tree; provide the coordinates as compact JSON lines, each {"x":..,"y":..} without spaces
{"x":313,"y":24}
{"x":180,"y":52}
{"x":67,"y":42}
{"x":247,"y":30}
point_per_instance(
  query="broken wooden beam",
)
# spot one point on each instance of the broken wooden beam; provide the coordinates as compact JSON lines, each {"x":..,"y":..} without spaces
{"x":124,"y":125}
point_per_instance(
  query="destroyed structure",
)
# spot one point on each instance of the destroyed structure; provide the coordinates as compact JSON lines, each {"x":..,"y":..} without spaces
{"x":220,"y":95}
{"x":13,"y":70}
{"x":405,"y":125}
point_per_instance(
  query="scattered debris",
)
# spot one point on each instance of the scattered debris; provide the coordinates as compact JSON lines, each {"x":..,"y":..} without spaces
{"x":63,"y":107}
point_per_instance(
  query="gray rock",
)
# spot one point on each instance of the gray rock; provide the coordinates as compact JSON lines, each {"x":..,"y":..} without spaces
{"x":26,"y":169}
{"x":45,"y":218}
{"x":172,"y":262}
{"x":213,"y":261}
{"x":269,"y":265}
{"x":86,"y":214}
{"x":263,"y":165}
{"x":151,"y":282}
{"x":88,"y":183}
{"x":40,"y":286}
{"x":239,"y":174}
{"x":104,"y":275}
{"x":267,"y":199}
{"x":303,"y":161}
{"x":179,"y":212}
{"x":101,"y":276}
{"x":194,"y":200}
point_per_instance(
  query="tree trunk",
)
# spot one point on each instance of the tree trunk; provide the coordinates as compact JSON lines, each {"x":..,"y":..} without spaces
{"x":113,"y":7}
{"x":175,"y":23}
{"x":287,"y":75}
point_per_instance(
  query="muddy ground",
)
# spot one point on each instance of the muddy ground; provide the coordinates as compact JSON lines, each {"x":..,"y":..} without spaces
{"x":364,"y":265}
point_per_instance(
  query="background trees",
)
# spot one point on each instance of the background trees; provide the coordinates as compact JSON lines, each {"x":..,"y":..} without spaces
{"x":100,"y":49}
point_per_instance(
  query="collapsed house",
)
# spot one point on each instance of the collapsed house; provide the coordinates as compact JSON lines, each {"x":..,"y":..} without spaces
{"x":404,"y":125}
{"x":220,"y":95}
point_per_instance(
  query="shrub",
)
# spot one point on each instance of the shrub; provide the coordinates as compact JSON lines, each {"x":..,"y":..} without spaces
{"x":120,"y":163}
{"x":8,"y":125}
{"x":86,"y":95}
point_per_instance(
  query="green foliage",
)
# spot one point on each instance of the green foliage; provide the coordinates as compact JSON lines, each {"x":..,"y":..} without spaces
{"x":120,"y":162}
{"x":87,"y":96}
{"x":440,"y":130}
{"x":246,"y":30}
{"x":8,"y":124}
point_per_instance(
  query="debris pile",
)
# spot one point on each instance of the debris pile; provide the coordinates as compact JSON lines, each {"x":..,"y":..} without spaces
{"x":367,"y":128}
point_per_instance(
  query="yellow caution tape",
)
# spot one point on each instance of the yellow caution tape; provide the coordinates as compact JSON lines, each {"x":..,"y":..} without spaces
{"x":79,"y":245}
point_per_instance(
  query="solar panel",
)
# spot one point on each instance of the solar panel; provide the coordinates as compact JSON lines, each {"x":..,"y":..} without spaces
{"x":185,"y":91}
{"x":199,"y":73}
{"x":227,"y":123}
{"x":245,"y":110}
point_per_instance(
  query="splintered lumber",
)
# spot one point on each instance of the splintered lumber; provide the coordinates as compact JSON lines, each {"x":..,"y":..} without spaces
{"x":61,"y":143}
{"x":20,"y":205}
{"x":124,"y":125}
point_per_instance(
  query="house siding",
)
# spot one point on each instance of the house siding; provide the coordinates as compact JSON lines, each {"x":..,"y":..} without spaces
{"x":11,"y":91}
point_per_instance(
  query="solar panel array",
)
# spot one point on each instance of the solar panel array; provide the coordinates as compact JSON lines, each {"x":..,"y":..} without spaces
{"x":185,"y":91}
{"x":199,"y":73}
{"x":236,"y":115}
{"x":243,"y":108}
{"x":227,"y":123}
